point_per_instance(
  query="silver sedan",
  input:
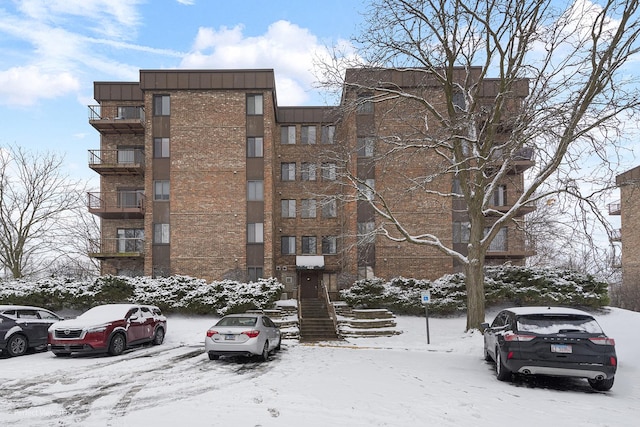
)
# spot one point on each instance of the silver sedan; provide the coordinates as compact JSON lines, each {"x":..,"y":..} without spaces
{"x":246,"y":334}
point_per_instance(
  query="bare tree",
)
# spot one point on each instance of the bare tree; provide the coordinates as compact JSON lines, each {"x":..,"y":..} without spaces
{"x":35,"y":198}
{"x":513,"y":77}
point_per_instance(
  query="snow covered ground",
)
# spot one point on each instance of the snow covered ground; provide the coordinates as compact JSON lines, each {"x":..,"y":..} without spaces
{"x":391,"y":381}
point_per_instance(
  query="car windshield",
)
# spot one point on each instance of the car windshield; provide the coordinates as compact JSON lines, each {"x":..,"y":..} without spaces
{"x":554,"y":324}
{"x":237,"y":321}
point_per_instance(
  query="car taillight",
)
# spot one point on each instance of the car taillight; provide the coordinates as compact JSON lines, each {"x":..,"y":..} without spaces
{"x":613,"y":361}
{"x":251,"y":334}
{"x":603,"y":341}
{"x":510,"y":336}
{"x":211,"y":333}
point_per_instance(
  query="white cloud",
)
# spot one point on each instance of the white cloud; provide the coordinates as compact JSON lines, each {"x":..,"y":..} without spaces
{"x":187,"y":2}
{"x":24,"y":86}
{"x":285,"y":47}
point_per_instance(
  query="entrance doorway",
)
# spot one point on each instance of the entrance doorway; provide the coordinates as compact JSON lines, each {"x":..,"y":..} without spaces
{"x":309,"y":281}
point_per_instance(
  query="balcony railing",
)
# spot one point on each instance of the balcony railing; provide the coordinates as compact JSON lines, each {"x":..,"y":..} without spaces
{"x":117,"y":119}
{"x":614,"y":208}
{"x":521,"y":160}
{"x":117,"y":204}
{"x":616,"y":235}
{"x":120,"y":247}
{"x":124,"y":161}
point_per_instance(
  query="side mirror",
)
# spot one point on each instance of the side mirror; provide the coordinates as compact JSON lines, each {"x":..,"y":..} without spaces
{"x":133,"y":317}
{"x":483,"y":327}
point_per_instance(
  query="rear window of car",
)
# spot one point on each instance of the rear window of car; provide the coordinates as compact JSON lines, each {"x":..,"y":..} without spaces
{"x":237,"y":321}
{"x":554,"y":324}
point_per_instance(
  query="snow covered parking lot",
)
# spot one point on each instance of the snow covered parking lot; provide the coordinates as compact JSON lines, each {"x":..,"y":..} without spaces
{"x":391,"y":381}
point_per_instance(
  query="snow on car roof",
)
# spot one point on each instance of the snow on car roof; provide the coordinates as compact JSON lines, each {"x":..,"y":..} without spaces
{"x":18,"y":307}
{"x":108,"y":311}
{"x":546,"y":310}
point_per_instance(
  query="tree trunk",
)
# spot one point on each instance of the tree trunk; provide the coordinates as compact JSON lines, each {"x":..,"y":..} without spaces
{"x":475,"y":288}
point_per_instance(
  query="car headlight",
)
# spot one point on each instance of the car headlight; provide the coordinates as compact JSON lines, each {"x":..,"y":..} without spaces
{"x":94,"y":329}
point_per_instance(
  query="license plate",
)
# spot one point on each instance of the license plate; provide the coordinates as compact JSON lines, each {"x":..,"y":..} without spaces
{"x":229,"y":337}
{"x":561,"y":348}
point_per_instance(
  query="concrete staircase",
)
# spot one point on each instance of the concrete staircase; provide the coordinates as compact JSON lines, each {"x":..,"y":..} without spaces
{"x":315,"y":323}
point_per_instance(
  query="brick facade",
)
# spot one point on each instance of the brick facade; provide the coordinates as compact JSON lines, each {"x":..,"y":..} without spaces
{"x":209,"y":212}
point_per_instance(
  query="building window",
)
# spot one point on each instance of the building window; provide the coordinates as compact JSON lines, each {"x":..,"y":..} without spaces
{"x":255,"y":147}
{"x":329,"y":245}
{"x":288,"y":208}
{"x":308,"y":135}
{"x":160,"y":147}
{"x":255,"y":191}
{"x":130,"y":240}
{"x":499,"y":242}
{"x":329,"y":208}
{"x":130,"y":198}
{"x":254,"y":105}
{"x":161,"y":105}
{"x":288,"y":245}
{"x":455,"y":186}
{"x":500,"y":196}
{"x":459,"y":103}
{"x":366,"y":232}
{"x":364,"y":104}
{"x":254,"y":273}
{"x":366,"y":146}
{"x":128,"y":112}
{"x":328,"y":134}
{"x":288,"y":135}
{"x":160,"y":233}
{"x":255,"y":232}
{"x":160,"y":190}
{"x":308,"y":208}
{"x":308,"y":245}
{"x":367,"y":189}
{"x":329,"y":171}
{"x":461,"y":232}
{"x":308,"y":171}
{"x":288,"y":171}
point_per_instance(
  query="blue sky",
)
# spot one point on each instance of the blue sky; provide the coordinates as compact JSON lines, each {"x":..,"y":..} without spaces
{"x":51,"y":52}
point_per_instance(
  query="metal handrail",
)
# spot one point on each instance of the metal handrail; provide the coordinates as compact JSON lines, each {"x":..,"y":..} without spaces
{"x":331,"y":308}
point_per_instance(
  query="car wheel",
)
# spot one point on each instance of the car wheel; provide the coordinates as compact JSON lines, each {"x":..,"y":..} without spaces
{"x":265,"y":352}
{"x":158,"y":337}
{"x":17,"y":345}
{"x":502,"y":373}
{"x":487,"y":356}
{"x":601,"y":385}
{"x":213,"y":356}
{"x":117,"y":345}
{"x":62,"y":353}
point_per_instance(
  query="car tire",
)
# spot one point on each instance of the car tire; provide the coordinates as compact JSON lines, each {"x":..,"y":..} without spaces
{"x":502,"y":373}
{"x":17,"y":345}
{"x":117,"y":345}
{"x":213,"y":356}
{"x":265,"y":352}
{"x":602,"y":385}
{"x":487,"y":356}
{"x":61,"y":353}
{"x":279,"y":346}
{"x":158,"y":337}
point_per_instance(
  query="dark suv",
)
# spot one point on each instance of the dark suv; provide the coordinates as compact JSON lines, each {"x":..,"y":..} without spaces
{"x":110,"y":328}
{"x":24,"y":327}
{"x":554,"y":341}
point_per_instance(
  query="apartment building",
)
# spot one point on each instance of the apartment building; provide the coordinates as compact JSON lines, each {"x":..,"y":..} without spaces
{"x":627,"y":238}
{"x":203,"y":174}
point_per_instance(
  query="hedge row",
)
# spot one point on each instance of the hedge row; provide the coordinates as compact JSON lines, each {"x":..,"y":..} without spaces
{"x":172,"y":294}
{"x":503,"y":285}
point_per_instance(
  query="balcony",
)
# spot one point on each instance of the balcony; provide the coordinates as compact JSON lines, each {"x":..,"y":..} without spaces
{"x":616,"y":235}
{"x":117,"y":120}
{"x":615,"y":208}
{"x":117,"y":162}
{"x":520,"y":162}
{"x":117,"y":204}
{"x":524,"y":209}
{"x":120,"y":247}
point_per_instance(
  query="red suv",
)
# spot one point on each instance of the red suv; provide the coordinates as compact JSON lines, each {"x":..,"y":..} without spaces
{"x":110,"y":328}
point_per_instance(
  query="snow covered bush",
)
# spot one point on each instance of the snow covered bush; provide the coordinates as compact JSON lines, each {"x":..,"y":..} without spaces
{"x":177,"y":293}
{"x":505,"y":285}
